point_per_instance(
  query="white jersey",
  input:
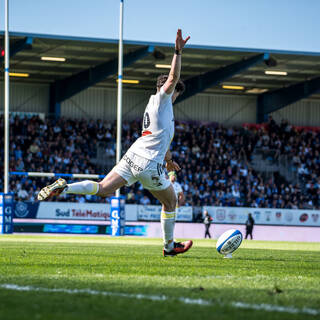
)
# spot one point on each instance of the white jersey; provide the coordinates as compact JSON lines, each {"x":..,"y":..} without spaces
{"x":177,"y":188}
{"x":157,"y":128}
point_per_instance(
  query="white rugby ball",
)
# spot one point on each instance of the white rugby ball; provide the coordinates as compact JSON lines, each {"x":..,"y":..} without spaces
{"x":229,"y":241}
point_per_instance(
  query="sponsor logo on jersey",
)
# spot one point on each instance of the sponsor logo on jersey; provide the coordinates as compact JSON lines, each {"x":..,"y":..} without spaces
{"x":131,"y":163}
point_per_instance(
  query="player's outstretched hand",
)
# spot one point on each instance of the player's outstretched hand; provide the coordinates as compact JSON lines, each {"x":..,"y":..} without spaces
{"x":180,"y":42}
{"x":172,"y":166}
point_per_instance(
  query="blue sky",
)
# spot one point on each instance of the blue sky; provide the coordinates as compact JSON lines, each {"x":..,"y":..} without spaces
{"x":273,"y":24}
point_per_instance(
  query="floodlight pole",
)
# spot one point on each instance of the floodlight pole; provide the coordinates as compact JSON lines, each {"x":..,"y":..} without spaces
{"x":6,"y":99}
{"x":119,"y":100}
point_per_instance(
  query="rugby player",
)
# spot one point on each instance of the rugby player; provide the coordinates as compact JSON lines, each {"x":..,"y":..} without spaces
{"x":144,"y":160}
{"x":177,"y":188}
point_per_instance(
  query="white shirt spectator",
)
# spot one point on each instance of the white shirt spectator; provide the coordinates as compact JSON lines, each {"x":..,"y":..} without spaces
{"x":244,"y":172}
{"x":145,"y":200}
{"x":56,"y":129}
{"x":23,"y":194}
{"x":236,"y":193}
{"x":301,"y":170}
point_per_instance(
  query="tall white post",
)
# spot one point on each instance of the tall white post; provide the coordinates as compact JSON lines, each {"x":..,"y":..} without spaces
{"x":6,"y":99}
{"x":119,"y":100}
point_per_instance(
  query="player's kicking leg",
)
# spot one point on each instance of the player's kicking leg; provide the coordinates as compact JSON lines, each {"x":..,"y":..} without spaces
{"x":168,"y":199}
{"x":51,"y":190}
{"x":106,"y":187}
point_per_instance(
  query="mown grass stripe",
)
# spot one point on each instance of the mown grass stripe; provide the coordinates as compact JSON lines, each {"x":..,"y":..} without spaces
{"x":185,"y":300}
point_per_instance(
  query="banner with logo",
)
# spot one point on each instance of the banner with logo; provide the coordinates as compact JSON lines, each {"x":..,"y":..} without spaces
{"x":26,"y":210}
{"x":118,"y":219}
{"x":101,"y":212}
{"x":91,"y":211}
{"x":184,"y":214}
{"x":265,"y":216}
{"x":74,"y":210}
{"x":153,"y":213}
{"x":6,"y":212}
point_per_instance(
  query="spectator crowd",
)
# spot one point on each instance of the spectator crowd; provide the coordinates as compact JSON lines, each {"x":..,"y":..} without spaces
{"x":216,"y":161}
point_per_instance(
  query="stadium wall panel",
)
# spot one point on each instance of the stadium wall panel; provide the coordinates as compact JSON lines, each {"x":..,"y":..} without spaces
{"x":302,"y":113}
{"x":89,"y":104}
{"x":26,"y":97}
{"x":225,"y":109}
{"x":100,"y":103}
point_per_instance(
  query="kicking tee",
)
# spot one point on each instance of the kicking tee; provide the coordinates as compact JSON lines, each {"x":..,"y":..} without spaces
{"x":157,"y":128}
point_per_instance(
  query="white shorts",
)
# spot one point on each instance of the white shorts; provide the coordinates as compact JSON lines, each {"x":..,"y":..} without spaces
{"x":134,"y":168}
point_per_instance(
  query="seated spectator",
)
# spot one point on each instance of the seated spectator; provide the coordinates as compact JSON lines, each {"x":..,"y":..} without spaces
{"x":23,"y":194}
{"x":215,"y":161}
{"x":145,"y":200}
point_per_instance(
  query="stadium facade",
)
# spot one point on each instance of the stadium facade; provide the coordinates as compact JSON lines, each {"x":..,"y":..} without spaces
{"x":84,"y":86}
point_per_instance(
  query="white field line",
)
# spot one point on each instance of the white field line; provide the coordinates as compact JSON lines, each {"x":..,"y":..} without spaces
{"x":185,"y":300}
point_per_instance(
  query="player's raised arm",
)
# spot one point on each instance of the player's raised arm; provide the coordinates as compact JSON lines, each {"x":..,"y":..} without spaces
{"x":174,"y":74}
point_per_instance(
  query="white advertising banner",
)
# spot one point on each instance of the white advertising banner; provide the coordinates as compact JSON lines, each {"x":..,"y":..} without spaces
{"x":131,"y":212}
{"x":70,"y":210}
{"x":184,"y":214}
{"x":265,"y":216}
{"x":153,"y":213}
{"x":230,"y":215}
{"x":101,"y":212}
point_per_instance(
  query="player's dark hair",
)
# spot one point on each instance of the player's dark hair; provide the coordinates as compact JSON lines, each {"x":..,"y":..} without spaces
{"x":180,"y":87}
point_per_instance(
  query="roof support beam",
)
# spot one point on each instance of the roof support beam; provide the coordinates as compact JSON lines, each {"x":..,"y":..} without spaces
{"x":66,"y":88}
{"x":272,"y":101}
{"x":207,"y":80}
{"x":18,"y":46}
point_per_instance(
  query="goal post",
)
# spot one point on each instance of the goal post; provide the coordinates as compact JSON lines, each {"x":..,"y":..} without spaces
{"x":6,"y":213}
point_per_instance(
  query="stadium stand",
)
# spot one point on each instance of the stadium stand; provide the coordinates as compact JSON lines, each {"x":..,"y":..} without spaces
{"x":270,"y":165}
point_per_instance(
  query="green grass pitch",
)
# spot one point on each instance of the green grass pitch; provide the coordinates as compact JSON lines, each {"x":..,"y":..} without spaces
{"x":78,"y":277}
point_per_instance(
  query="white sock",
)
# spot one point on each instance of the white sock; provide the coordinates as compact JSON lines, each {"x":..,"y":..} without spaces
{"x":83,"y":187}
{"x":167,"y":225}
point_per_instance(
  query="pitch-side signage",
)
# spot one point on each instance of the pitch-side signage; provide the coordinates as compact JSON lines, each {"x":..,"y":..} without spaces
{"x":73,"y":210}
{"x":265,"y":216}
{"x":153,"y":213}
{"x":6,"y":212}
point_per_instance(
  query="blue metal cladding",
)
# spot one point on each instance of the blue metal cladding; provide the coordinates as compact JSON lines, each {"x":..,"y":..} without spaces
{"x":272,"y":101}
{"x":64,"y":89}
{"x":202,"y":82}
{"x":18,"y":46}
{"x":74,"y":84}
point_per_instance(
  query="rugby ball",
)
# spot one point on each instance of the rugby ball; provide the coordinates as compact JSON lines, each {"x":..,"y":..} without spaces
{"x":229,"y":241}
